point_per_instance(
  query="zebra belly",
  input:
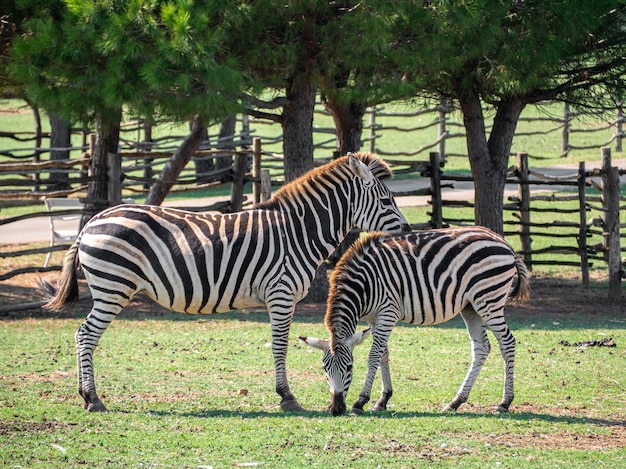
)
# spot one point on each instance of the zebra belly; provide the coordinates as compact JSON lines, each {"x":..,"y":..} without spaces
{"x":199,"y":305}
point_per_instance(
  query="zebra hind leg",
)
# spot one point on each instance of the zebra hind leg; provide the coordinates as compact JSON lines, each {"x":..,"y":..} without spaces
{"x":85,"y":346}
{"x":506,"y":341}
{"x":480,"y":350}
{"x":87,"y":337}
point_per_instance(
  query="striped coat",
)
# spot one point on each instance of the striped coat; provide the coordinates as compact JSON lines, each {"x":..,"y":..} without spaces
{"x":206,"y":263}
{"x":424,"y":279}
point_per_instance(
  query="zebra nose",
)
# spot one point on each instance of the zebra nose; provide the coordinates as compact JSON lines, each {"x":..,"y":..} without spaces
{"x":337,"y":405}
{"x":406,"y":228}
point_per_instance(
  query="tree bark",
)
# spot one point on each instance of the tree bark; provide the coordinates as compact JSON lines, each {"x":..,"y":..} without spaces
{"x":297,"y":125}
{"x":60,"y":140}
{"x":107,"y":141}
{"x":348,"y":119}
{"x":177,"y":163}
{"x":203,"y":166}
{"x":489,"y":159}
{"x":226,"y":141}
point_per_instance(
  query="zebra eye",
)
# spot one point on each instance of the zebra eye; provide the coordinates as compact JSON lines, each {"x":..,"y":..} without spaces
{"x":386,"y":201}
{"x":349,"y":368}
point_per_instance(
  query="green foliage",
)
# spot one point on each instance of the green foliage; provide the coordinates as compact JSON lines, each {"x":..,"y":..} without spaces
{"x":154,"y":56}
{"x":505,"y":48}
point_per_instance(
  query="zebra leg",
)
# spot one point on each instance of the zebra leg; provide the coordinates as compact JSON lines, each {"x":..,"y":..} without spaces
{"x":506,"y":341}
{"x":480,"y":350}
{"x":387,"y":391}
{"x":379,"y":345}
{"x":87,"y":337}
{"x":280,"y":323}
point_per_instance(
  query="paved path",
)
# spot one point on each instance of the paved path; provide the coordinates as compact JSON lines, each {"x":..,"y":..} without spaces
{"x":37,"y":229}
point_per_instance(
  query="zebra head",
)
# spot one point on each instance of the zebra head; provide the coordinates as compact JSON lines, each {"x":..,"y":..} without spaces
{"x":374,"y":207}
{"x":337,"y":364}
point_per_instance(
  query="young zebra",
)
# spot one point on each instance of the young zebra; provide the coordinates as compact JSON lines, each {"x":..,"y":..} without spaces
{"x":207,"y":263}
{"x":420,"y":278}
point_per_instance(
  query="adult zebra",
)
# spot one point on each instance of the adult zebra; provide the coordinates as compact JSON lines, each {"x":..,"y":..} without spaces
{"x":424,"y":279}
{"x":207,"y":263}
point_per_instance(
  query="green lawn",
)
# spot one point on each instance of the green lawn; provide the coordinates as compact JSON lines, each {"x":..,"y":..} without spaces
{"x":189,"y":392}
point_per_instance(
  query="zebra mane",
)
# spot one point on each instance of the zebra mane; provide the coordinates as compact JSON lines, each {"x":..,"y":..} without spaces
{"x":379,"y":168}
{"x":376,"y":165}
{"x":334,"y":320}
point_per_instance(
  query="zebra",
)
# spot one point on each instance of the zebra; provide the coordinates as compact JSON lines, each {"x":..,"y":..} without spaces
{"x":201,"y":263}
{"x":421,"y":278}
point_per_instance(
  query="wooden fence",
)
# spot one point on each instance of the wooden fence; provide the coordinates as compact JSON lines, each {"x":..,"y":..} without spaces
{"x":142,"y":160}
{"x":593,"y":236}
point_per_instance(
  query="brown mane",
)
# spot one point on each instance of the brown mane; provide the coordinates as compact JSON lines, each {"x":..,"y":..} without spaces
{"x":342,"y":271}
{"x":376,"y":165}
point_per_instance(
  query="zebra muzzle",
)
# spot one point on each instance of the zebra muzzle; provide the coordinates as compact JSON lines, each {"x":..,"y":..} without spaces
{"x":337,"y":404}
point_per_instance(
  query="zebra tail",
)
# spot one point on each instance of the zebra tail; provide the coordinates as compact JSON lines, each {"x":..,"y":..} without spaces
{"x":67,"y":291}
{"x":521,"y":291}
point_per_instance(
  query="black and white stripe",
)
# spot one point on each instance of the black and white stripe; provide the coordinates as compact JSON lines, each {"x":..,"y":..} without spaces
{"x":424,"y":279}
{"x":206,"y":263}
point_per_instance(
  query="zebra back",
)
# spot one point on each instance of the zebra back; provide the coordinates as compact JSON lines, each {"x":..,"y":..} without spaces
{"x":427,"y":274}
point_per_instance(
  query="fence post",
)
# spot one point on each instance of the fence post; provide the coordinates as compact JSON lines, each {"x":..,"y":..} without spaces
{"x":266,"y":185}
{"x":236,"y":188}
{"x":582,"y":217}
{"x":523,"y":193}
{"x":610,"y":219}
{"x":256,"y":169}
{"x":436,"y":217}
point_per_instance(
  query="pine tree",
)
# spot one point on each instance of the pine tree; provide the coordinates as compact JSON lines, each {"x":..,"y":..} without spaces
{"x":90,"y":60}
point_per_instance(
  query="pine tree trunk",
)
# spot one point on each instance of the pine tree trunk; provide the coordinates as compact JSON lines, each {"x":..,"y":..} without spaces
{"x":297,"y":125}
{"x":107,"y":141}
{"x":226,"y":141}
{"x":348,"y":119}
{"x":60,"y":137}
{"x":489,"y":159}
{"x":205,"y":165}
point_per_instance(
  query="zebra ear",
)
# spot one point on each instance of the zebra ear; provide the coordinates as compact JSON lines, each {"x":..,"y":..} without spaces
{"x":315,"y":343}
{"x":359,"y":337}
{"x":359,"y":168}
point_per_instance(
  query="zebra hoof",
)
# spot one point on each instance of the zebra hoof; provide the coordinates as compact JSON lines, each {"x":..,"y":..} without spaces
{"x":356,"y":411}
{"x":96,"y":406}
{"x":501,"y":409}
{"x":291,"y":406}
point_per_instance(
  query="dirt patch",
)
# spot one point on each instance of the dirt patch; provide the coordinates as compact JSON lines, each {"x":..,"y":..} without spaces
{"x":614,"y":439}
{"x":555,"y":296}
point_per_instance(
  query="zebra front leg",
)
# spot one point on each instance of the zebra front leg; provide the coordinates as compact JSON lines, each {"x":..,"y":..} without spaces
{"x":480,"y":350}
{"x":387,"y":391}
{"x":280,"y":323}
{"x":379,"y":345}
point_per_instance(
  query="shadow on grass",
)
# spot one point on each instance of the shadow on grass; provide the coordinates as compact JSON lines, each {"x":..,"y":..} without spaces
{"x":389,"y":415}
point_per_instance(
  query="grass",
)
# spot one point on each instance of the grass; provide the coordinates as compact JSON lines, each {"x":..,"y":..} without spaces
{"x":174,"y":386}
